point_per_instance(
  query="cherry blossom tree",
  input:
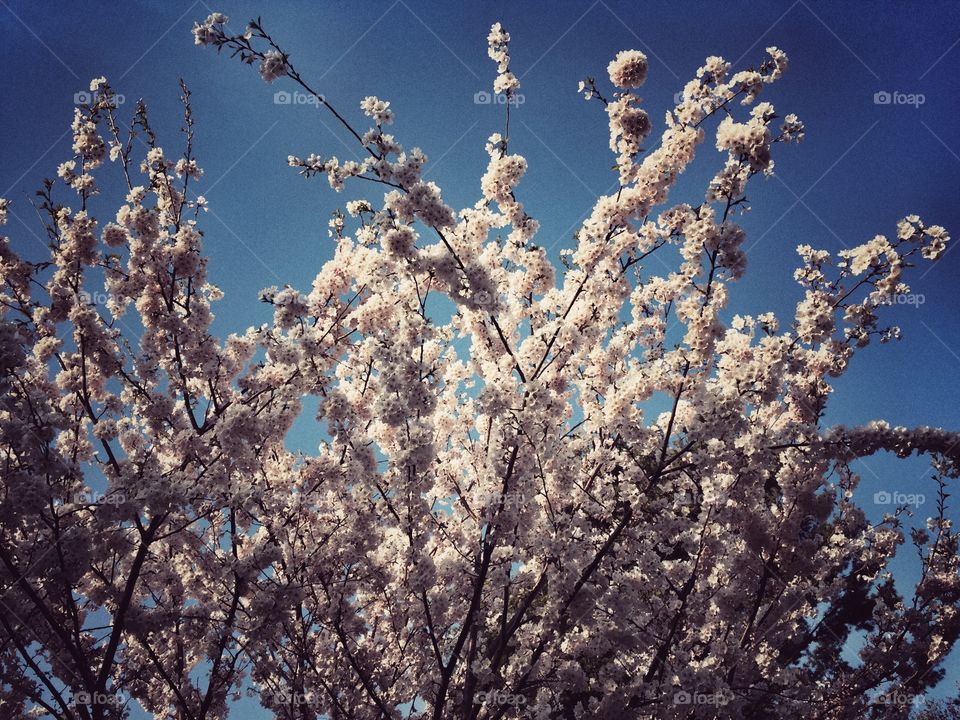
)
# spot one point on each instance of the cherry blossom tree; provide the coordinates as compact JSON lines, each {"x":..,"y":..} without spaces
{"x":498,"y":523}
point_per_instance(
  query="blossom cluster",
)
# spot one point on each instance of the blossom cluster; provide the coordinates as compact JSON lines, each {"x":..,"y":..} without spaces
{"x":628,"y":69}
{"x":498,"y":42}
{"x":535,"y":490}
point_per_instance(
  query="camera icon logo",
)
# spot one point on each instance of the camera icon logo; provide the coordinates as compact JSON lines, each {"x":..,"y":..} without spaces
{"x":882,"y":98}
{"x":482,"y":98}
{"x":882,"y":498}
{"x":282,"y":97}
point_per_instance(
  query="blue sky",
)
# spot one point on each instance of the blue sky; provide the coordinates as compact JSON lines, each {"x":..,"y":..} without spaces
{"x":861,"y":167}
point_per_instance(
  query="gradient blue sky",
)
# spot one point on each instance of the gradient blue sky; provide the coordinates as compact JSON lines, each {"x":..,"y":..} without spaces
{"x":861,"y":167}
